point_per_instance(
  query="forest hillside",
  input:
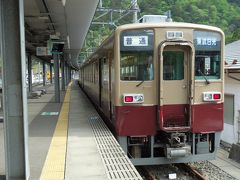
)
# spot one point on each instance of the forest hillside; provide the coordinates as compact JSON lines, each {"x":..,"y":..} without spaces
{"x":224,"y":14}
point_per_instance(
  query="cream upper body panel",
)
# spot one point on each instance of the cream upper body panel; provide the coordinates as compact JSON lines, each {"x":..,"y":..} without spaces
{"x":150,"y":88}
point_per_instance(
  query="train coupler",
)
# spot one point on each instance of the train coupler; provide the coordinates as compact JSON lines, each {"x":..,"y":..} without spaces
{"x":178,"y":152}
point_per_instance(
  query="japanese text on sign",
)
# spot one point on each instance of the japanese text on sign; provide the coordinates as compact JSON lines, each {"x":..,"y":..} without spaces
{"x":135,"y":41}
{"x":206,"y":41}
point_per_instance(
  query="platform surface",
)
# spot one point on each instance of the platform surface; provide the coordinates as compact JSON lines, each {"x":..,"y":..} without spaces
{"x":66,"y":144}
{"x":83,"y":160}
{"x":223,"y":162}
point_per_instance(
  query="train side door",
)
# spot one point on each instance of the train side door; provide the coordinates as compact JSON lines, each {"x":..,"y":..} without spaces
{"x":174,"y":86}
{"x":110,"y":84}
{"x":100,"y":80}
{"x":104,"y":85}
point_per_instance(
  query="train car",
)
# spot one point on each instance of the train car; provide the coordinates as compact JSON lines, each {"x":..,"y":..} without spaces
{"x":159,"y":87}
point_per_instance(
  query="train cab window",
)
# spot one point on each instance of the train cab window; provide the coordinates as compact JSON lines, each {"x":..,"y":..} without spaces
{"x":136,"y":66}
{"x":208,"y":55}
{"x":136,"y":55}
{"x":207,"y":64}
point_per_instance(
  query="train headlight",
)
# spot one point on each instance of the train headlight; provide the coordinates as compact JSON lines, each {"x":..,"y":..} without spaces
{"x":133,"y":98}
{"x":128,"y":99}
{"x":212,"y":96}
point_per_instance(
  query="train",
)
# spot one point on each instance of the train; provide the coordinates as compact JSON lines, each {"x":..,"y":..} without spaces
{"x":160,"y":89}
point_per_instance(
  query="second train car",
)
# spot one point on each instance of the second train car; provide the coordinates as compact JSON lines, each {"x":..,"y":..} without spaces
{"x":160,"y":89}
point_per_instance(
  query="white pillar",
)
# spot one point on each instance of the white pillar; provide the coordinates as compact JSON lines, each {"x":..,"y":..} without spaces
{"x":14,"y":89}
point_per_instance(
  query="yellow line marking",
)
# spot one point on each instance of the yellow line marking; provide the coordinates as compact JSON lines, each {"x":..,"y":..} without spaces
{"x":54,"y":166}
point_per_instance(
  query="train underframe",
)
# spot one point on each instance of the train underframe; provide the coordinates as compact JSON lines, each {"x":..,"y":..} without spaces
{"x":170,"y":147}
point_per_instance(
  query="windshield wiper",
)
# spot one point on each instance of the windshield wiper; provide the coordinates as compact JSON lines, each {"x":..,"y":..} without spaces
{"x":140,"y":83}
{"x":204,"y":76}
{"x":142,"y":80}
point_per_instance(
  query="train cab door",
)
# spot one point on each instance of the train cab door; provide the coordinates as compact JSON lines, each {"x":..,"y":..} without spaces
{"x":175,"y":86}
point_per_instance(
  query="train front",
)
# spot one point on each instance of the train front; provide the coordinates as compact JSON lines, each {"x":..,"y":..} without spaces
{"x":168,"y":91}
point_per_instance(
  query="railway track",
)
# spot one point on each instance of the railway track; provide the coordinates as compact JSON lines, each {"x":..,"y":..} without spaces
{"x":172,"y":171}
{"x":190,"y":171}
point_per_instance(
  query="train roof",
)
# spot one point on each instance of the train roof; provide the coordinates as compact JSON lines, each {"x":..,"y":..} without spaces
{"x":167,"y":24}
{"x":154,"y":25}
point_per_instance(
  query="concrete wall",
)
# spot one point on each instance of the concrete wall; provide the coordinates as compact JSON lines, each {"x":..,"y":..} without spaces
{"x":232,"y":87}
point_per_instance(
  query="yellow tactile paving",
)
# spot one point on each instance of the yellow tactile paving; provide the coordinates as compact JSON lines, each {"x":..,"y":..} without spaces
{"x":54,"y":165}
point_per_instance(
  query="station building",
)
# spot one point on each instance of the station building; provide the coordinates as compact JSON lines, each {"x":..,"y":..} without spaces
{"x":231,"y":133}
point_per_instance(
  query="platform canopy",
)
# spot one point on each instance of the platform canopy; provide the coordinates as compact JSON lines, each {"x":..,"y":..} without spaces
{"x":68,"y":20}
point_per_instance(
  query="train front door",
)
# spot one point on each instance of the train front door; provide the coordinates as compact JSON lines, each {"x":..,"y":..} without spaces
{"x":174,"y":86}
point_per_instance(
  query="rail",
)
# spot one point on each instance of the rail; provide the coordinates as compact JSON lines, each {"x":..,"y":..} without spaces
{"x":183,"y":171}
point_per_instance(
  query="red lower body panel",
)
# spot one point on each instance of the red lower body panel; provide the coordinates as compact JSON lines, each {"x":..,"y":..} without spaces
{"x":135,"y":120}
{"x":207,"y":118}
{"x":174,"y":117}
{"x":142,"y":120}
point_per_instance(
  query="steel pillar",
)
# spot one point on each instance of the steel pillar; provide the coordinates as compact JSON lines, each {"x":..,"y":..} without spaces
{"x":63,"y":74}
{"x":69,"y":74}
{"x":44,"y":73}
{"x":135,"y":7}
{"x":29,"y":73}
{"x":51,"y":77}
{"x":56,"y":77}
{"x":14,"y":89}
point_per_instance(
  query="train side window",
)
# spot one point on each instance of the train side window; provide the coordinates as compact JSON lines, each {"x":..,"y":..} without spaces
{"x":96,"y":74}
{"x":105,"y":72}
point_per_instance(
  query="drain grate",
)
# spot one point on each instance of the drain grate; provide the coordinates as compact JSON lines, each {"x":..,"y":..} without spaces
{"x":116,"y":163}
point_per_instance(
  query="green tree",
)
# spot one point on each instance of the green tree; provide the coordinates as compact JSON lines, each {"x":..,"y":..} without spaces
{"x":224,"y":14}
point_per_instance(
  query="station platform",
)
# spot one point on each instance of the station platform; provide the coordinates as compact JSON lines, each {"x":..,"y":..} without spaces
{"x":69,"y":140}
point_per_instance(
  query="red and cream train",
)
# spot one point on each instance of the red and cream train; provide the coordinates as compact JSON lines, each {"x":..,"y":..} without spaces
{"x":159,"y":87}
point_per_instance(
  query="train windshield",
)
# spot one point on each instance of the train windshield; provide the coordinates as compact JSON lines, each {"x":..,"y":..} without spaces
{"x":208,"y":55}
{"x":136,"y":52}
